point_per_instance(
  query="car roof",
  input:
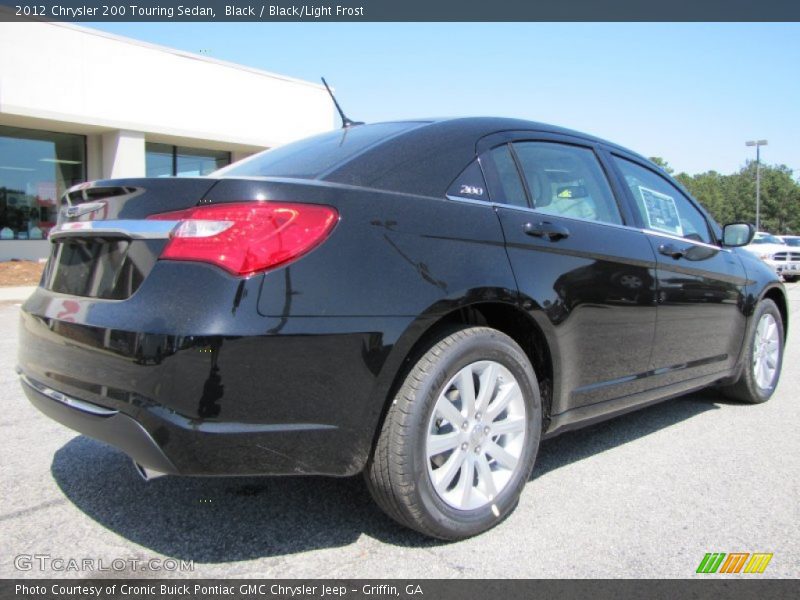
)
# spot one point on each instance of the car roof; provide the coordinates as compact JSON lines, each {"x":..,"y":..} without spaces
{"x":421,"y":157}
{"x":489,"y":125}
{"x":426,"y":158}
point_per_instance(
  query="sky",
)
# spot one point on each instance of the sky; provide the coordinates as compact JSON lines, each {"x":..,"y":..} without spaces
{"x":690,"y":93}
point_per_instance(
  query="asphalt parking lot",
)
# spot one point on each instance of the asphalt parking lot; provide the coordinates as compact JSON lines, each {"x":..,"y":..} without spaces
{"x":643,"y":495}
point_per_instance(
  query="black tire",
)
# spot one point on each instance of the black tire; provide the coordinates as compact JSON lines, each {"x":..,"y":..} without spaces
{"x":747,"y":389}
{"x":397,"y":473}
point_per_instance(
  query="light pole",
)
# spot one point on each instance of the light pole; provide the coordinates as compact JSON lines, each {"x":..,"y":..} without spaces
{"x":758,"y":144}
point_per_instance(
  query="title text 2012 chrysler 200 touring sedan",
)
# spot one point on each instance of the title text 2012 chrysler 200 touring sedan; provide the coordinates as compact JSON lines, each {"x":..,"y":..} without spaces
{"x":422,"y":301}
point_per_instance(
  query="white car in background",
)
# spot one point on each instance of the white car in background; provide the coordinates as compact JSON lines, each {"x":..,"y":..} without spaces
{"x":791,"y":240}
{"x":785,"y":259}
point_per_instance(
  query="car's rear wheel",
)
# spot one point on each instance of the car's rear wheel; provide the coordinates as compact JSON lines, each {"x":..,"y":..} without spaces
{"x":763,"y":356}
{"x":460,"y":437}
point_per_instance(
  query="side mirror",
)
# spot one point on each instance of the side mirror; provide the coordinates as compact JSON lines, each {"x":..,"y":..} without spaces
{"x":737,"y":234}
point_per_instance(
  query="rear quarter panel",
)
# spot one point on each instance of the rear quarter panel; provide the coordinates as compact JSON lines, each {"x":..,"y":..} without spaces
{"x":392,"y":267}
{"x":389,"y":255}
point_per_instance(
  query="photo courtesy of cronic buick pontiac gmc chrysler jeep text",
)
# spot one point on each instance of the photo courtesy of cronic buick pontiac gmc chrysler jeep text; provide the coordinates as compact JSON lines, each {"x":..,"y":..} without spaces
{"x":423,"y":301}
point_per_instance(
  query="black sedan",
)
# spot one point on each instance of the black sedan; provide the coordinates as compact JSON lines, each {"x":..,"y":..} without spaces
{"x":421,"y":301}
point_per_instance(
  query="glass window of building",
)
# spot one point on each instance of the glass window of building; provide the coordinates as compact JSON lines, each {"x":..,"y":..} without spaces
{"x":159,"y":160}
{"x":191,"y":162}
{"x":36,"y":168}
{"x":164,"y":160}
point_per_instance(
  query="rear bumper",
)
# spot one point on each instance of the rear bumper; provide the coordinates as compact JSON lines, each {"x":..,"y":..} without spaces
{"x":210,"y":448}
{"x":112,"y":427}
{"x":299,"y":395}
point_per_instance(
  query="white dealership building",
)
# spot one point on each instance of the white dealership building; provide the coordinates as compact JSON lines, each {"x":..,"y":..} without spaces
{"x":78,"y":104}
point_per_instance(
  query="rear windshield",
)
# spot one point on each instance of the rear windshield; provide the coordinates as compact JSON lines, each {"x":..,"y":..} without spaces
{"x":313,"y":157}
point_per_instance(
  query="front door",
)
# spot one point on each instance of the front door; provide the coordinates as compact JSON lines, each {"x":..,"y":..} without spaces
{"x":700,"y":325}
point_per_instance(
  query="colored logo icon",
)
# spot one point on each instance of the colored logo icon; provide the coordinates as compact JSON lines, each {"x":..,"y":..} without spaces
{"x":735,"y":562}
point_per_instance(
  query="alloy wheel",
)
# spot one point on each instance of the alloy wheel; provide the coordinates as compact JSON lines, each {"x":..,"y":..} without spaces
{"x":476,"y":435}
{"x":766,"y":351}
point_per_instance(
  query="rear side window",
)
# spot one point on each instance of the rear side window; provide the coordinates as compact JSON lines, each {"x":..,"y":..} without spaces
{"x":661,"y":205}
{"x":470,"y":184}
{"x":511,"y":189}
{"x":313,"y":157}
{"x":567,"y":181}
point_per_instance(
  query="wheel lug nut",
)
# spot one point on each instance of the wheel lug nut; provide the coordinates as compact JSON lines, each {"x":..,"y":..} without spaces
{"x":477,"y":416}
{"x":464,"y":425}
{"x":464,"y":446}
{"x":486,"y":430}
{"x":477,"y":449}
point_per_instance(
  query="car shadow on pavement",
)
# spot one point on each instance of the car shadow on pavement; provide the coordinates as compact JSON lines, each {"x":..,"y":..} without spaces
{"x":214,"y":520}
{"x":582,"y":443}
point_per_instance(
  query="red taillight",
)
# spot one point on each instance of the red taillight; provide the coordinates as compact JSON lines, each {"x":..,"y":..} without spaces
{"x":246,"y":237}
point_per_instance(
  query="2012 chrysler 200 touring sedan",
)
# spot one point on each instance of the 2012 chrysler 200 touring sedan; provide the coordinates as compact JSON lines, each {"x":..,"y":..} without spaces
{"x":421,"y":301}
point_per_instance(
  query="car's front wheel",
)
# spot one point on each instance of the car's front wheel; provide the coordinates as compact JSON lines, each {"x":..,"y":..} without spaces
{"x":460,"y":437}
{"x":763,"y":356}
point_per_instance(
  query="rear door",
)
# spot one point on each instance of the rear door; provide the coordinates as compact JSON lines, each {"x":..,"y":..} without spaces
{"x":582,"y":272}
{"x":700,"y":324}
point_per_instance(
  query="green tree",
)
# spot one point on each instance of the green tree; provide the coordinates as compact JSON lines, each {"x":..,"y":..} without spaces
{"x":662,"y":163}
{"x":709,"y":189}
{"x":780,"y":200}
{"x":733,"y":197}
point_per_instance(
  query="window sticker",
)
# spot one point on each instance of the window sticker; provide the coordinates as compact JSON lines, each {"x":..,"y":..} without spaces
{"x":662,"y":214}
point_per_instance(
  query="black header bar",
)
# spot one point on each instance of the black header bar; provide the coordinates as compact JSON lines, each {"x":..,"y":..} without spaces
{"x":402,"y":10}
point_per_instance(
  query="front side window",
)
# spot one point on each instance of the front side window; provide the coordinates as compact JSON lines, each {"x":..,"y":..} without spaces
{"x":566,"y":181}
{"x":661,"y":205}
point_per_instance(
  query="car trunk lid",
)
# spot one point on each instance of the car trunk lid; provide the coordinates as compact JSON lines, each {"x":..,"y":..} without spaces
{"x":104,"y":245}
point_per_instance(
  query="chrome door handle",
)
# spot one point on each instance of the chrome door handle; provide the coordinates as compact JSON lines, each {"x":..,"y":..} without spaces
{"x":671,"y":251}
{"x":546,"y":229}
